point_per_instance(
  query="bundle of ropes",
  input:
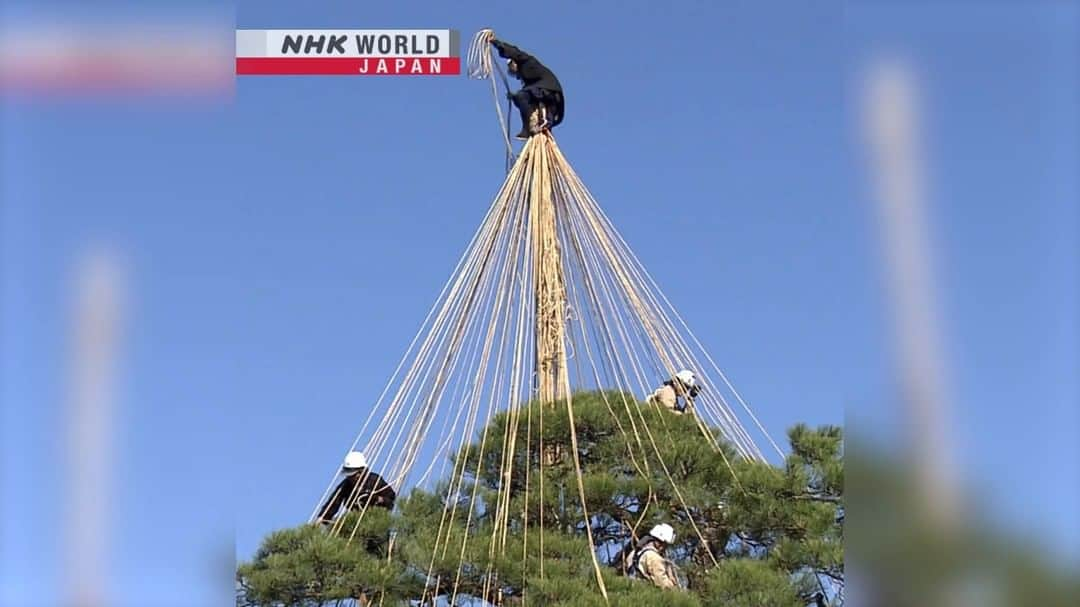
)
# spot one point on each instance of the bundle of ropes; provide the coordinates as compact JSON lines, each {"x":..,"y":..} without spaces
{"x":547,"y":300}
{"x":482,"y":66}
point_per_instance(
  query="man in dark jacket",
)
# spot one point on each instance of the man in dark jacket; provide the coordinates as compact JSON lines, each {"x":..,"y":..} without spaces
{"x":359,"y":489}
{"x":540,"y":91}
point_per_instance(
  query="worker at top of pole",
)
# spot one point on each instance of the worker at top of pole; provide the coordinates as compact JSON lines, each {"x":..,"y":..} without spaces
{"x":540,"y":100}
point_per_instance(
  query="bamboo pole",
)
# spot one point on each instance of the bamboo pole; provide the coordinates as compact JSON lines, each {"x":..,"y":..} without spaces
{"x":549,"y":285}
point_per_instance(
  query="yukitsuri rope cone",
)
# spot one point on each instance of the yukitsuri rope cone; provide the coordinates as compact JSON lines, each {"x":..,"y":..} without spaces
{"x":546,"y":300}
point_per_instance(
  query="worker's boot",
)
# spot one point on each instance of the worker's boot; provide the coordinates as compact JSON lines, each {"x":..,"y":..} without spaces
{"x":533,"y":122}
{"x":525,"y":132}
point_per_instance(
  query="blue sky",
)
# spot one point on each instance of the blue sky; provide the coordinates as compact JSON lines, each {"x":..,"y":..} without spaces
{"x":284,"y":248}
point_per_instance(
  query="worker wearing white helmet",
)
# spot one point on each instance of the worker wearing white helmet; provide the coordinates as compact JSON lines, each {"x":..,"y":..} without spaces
{"x":648,"y":560}
{"x":676,"y":393}
{"x":359,"y":489}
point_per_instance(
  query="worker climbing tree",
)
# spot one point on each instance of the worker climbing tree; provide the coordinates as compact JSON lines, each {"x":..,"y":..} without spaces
{"x":523,"y":445}
{"x":774,"y":534}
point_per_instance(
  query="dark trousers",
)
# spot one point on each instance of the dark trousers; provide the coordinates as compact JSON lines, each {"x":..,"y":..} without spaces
{"x":527,"y":99}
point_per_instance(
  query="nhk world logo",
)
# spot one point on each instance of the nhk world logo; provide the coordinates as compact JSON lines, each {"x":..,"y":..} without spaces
{"x":348,"y":52}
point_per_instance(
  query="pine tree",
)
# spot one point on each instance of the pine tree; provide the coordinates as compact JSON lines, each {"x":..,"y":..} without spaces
{"x":747,"y":533}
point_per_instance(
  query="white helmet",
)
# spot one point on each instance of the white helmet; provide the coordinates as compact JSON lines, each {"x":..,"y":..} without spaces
{"x":663,"y":532}
{"x":354,"y":460}
{"x":687,"y":378}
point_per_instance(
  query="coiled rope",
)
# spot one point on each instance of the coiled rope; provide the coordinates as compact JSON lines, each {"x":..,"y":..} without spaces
{"x":482,"y":67}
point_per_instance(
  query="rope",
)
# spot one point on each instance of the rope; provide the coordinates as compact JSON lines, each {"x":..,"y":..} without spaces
{"x":482,"y":67}
{"x":546,"y":273}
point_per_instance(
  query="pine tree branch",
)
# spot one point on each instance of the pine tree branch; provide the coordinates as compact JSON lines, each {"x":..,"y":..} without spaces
{"x":813,"y":497}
